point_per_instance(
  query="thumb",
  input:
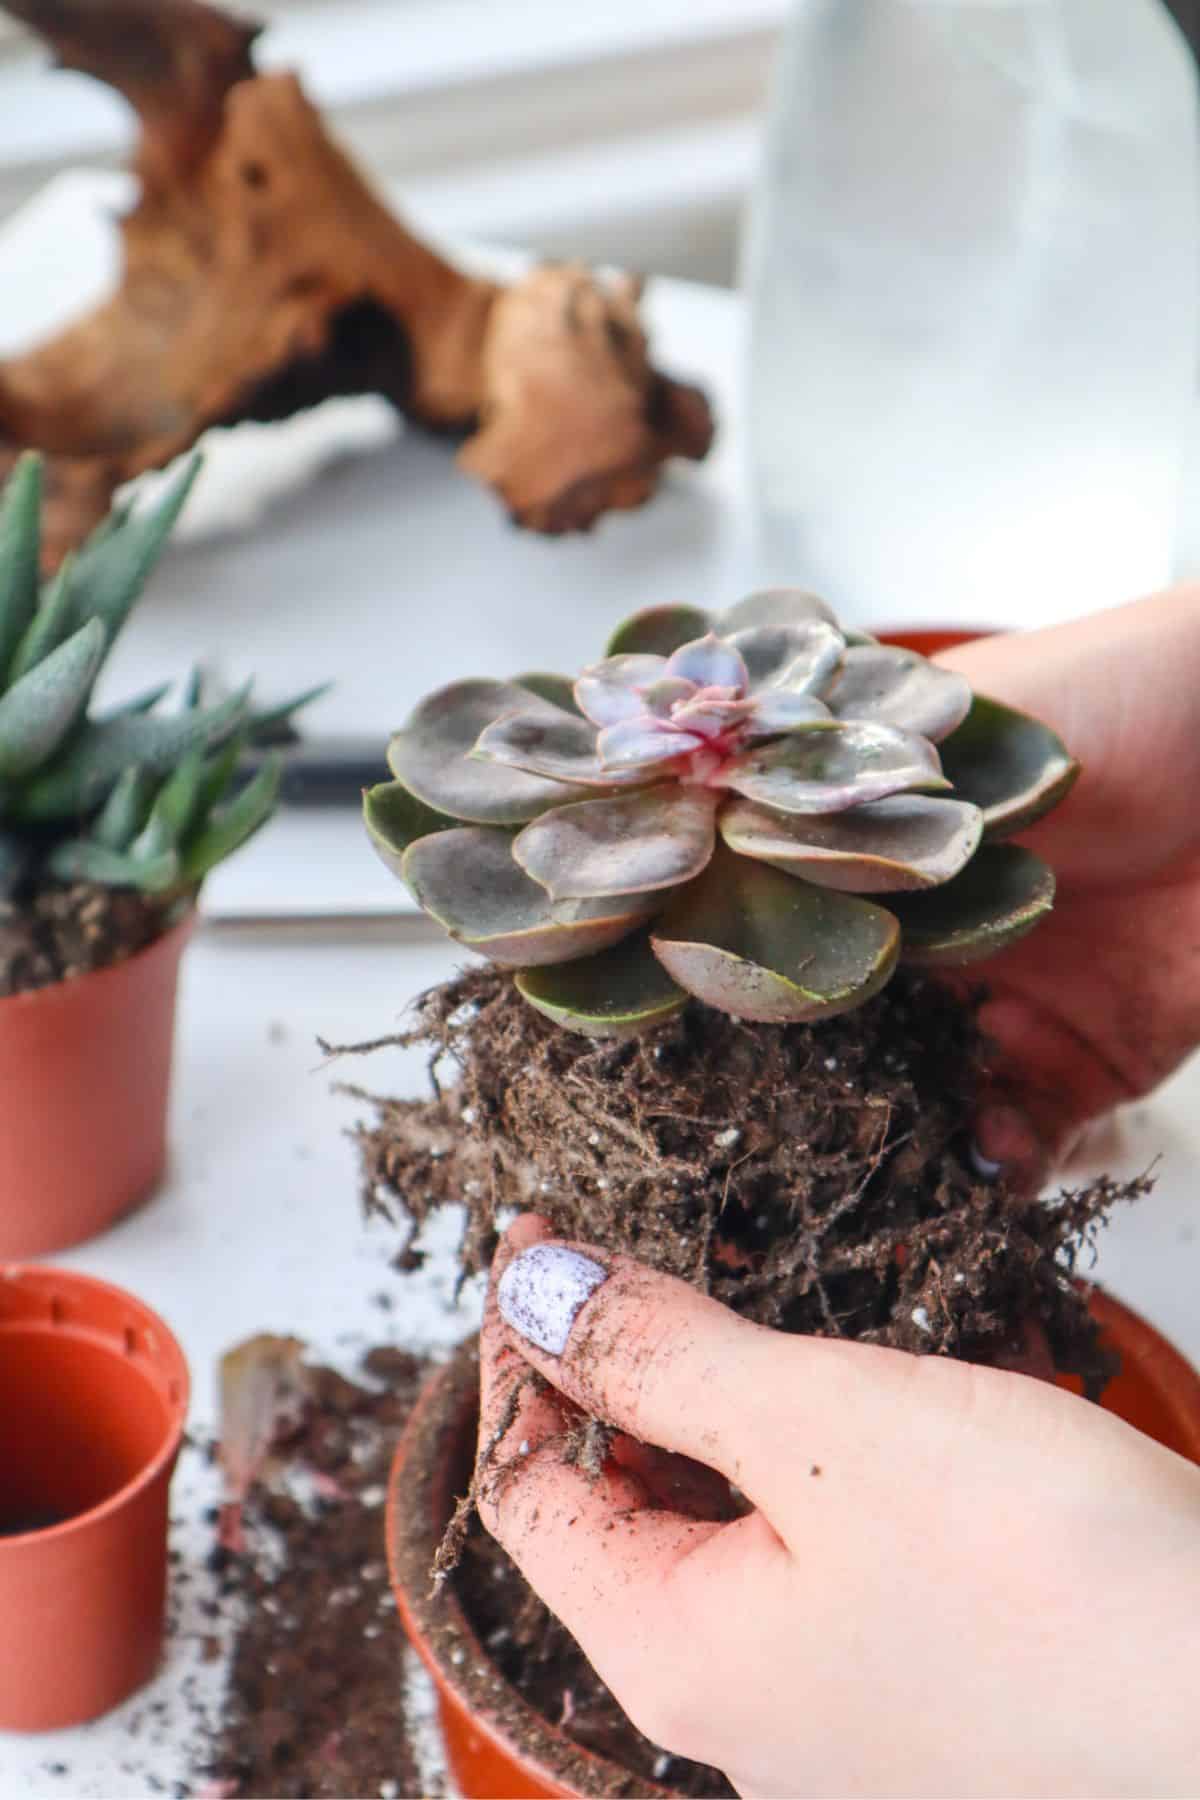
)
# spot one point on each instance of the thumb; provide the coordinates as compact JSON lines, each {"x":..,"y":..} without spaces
{"x":660,"y":1361}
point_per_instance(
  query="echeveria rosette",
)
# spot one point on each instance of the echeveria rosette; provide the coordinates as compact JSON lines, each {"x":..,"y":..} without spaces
{"x":716,"y":809}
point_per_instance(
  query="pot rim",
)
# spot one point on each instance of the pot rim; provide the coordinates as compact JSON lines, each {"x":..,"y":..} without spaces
{"x":174,"y":1389}
{"x":61,"y":992}
{"x":412,"y":1539}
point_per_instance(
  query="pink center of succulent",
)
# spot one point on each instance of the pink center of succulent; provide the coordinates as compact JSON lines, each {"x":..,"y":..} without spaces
{"x":716,"y":714}
{"x":687,"y":715}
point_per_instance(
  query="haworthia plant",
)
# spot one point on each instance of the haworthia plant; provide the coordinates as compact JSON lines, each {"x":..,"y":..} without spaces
{"x":759,"y":810}
{"x":133,"y":797}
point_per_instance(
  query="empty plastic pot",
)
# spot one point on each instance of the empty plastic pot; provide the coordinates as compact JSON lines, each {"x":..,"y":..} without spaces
{"x":93,"y":1397}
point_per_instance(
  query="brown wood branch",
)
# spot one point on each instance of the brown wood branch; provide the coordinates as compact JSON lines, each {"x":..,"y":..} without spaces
{"x":173,"y":60}
{"x":262,"y":275}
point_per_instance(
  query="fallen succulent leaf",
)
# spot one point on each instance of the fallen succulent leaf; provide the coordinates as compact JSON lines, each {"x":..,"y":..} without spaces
{"x":264,"y":1391}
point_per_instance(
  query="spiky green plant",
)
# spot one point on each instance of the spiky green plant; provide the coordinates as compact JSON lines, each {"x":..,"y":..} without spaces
{"x":130,"y":797}
{"x":702,"y":812}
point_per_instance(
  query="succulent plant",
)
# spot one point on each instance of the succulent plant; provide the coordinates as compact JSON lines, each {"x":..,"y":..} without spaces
{"x":702,"y":813}
{"x":130,"y":797}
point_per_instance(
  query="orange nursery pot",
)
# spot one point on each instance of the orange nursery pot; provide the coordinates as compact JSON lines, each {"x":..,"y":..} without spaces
{"x":93,"y":1397}
{"x":499,"y":1747}
{"x":927,"y":640}
{"x":85,"y":1069}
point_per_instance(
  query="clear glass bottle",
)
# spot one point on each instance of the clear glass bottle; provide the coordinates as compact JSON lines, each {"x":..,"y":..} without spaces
{"x":972,"y":271}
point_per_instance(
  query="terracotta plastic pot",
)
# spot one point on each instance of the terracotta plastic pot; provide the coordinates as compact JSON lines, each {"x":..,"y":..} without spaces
{"x":499,"y":1747}
{"x":928,"y":640}
{"x":85,"y":1069}
{"x":93,"y":1397}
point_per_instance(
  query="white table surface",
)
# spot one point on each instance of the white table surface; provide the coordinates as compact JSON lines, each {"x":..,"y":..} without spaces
{"x":390,"y":574}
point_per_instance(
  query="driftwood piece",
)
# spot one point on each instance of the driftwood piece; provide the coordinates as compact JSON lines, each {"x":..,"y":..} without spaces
{"x":261,"y":275}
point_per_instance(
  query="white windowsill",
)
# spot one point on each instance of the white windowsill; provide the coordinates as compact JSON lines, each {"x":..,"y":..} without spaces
{"x":360,"y":53}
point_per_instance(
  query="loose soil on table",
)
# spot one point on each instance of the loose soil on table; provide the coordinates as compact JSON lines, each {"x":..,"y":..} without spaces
{"x":315,"y":1705}
{"x":814,"y":1178}
{"x":66,"y":931}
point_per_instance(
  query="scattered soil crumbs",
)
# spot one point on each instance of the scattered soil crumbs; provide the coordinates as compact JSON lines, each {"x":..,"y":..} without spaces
{"x":65,"y":931}
{"x":547,"y":1667}
{"x":815,"y":1178}
{"x":315,"y":1705}
{"x":315,"y":1702}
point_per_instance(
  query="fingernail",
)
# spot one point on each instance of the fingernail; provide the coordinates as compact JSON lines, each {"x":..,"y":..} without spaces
{"x":542,"y":1290}
{"x":1004,"y":1139}
{"x":983,"y":1165}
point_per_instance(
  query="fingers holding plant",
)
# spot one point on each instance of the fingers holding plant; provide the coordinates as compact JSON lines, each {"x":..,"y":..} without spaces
{"x":886,"y":1492}
{"x":693,"y":868}
{"x":1103,"y":1001}
{"x":717,"y":846}
{"x":593,"y":1539}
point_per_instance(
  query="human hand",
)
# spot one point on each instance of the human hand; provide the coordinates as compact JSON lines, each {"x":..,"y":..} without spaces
{"x":1102,"y":1001}
{"x":955,"y":1581}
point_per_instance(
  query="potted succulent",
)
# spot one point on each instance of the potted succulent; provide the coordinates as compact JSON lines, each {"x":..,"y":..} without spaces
{"x":109,"y":821}
{"x":713,"y":876}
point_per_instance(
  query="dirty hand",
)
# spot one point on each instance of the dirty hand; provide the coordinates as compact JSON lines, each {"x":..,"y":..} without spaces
{"x":1102,"y":1001}
{"x":954,"y":1581}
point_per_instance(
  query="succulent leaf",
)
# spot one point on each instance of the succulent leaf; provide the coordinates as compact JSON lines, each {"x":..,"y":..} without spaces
{"x":467,"y":880}
{"x":126,"y":810}
{"x":193,"y":689}
{"x":395,"y":819}
{"x":556,"y":690}
{"x":663,"y":694}
{"x":560,"y":746}
{"x":776,"y":606}
{"x":112,"y":566}
{"x":638,"y":745}
{"x":432,"y":756}
{"x":220,"y":770}
{"x":273,"y":725}
{"x":615,"y":993}
{"x":234,"y":824}
{"x":888,"y":686}
{"x":39,"y":710}
{"x":82,"y":859}
{"x":909,"y":841}
{"x":1000,"y":895}
{"x":610,"y":691}
{"x":631,"y":844}
{"x":144,"y":702}
{"x":708,"y":661}
{"x":82,"y":775}
{"x":15,"y":858}
{"x":827,"y":771}
{"x":20,"y":550}
{"x":760,"y":945}
{"x":1011,"y":766}
{"x":174,"y":810}
{"x":777,"y":710}
{"x":50,"y":625}
{"x":802,"y":658}
{"x":658,"y":631}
